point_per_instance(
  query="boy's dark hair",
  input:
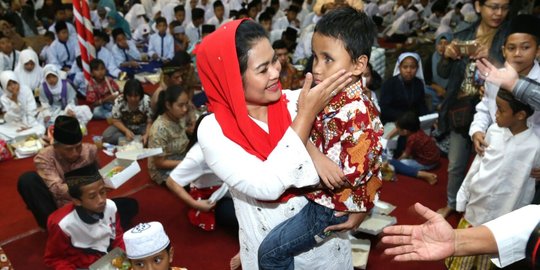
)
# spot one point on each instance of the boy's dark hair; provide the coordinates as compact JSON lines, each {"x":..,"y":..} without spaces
{"x":181,"y":58}
{"x":49,"y":35}
{"x":116,"y":32}
{"x":179,"y":8}
{"x":515,"y":104}
{"x":59,"y":26}
{"x":409,"y":121}
{"x":354,"y":28}
{"x":174,"y":24}
{"x":265,"y":16}
{"x":207,"y":28}
{"x":74,"y":186}
{"x":439,"y":6}
{"x":241,"y":12}
{"x":133,"y":88}
{"x":218,"y":3}
{"x":294,"y":9}
{"x":197,"y":14}
{"x":161,"y":20}
{"x":247,"y":33}
{"x":279,"y":44}
{"x":96,"y":63}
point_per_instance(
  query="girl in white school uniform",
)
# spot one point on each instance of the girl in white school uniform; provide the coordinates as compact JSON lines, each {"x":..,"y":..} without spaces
{"x":57,"y":97}
{"x":28,"y":70}
{"x":19,"y":108}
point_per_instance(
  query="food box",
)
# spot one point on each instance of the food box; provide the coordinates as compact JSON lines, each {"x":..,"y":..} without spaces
{"x":137,"y":154}
{"x":383,"y":208}
{"x":360,"y":252}
{"x":374,"y":224}
{"x":118,"y":171}
{"x":26,"y":145}
{"x":114,"y":260}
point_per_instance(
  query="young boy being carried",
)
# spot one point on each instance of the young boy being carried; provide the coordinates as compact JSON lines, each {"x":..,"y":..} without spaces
{"x":83,"y":231}
{"x":347,"y":132}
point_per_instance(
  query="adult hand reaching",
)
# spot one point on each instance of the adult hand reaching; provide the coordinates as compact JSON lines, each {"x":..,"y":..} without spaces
{"x":506,"y":78}
{"x":433,"y":240}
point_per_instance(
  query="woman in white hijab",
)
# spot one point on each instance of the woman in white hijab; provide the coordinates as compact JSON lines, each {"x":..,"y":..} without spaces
{"x":28,"y":70}
{"x":19,"y":107}
{"x":57,"y":97}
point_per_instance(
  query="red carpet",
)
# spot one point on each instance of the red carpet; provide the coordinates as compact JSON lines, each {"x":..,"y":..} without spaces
{"x":194,"y":248}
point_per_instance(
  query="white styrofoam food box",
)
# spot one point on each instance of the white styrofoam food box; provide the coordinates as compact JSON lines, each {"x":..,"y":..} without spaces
{"x":360,"y":252}
{"x":374,"y":224}
{"x":131,"y":168}
{"x":137,"y":154}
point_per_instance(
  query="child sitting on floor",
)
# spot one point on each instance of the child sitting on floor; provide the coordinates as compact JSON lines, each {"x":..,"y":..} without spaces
{"x":421,"y":152}
{"x":102,"y":90}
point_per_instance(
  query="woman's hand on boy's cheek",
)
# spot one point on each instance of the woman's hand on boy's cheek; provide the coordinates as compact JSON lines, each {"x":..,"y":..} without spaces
{"x":535,"y":173}
{"x":352,"y":223}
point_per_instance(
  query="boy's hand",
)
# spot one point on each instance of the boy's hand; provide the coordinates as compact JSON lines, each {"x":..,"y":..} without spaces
{"x":535,"y":173}
{"x":331,"y":175}
{"x":479,"y":142}
{"x":352,"y":223}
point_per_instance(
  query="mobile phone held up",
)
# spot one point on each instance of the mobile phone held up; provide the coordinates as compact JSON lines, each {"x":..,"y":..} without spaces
{"x":467,"y":47}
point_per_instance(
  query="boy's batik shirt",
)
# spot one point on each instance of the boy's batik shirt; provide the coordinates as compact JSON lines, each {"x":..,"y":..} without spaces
{"x":348,"y":131}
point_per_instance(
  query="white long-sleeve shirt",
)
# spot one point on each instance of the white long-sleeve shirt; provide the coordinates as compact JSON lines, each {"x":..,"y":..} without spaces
{"x":193,"y":33}
{"x":162,"y":46}
{"x":512,"y":242}
{"x":106,"y":56}
{"x":251,"y":180}
{"x":499,"y":181}
{"x":194,"y":170}
{"x":61,"y":55}
{"x":124,"y":55}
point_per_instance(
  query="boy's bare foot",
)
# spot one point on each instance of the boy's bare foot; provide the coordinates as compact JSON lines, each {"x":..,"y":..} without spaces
{"x":235,"y":261}
{"x":431,"y":178}
{"x":445,"y":211}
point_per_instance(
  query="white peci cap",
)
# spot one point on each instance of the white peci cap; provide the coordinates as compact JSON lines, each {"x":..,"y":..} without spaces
{"x":145,"y":239}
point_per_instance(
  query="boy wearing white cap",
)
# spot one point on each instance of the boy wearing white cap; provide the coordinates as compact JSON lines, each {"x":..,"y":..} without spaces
{"x":149,"y":247}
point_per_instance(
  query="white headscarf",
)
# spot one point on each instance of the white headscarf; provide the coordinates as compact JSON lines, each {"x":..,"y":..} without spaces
{"x":9,"y":75}
{"x":419,"y":70}
{"x":402,"y":24}
{"x":52,"y":69}
{"x":33,"y":78}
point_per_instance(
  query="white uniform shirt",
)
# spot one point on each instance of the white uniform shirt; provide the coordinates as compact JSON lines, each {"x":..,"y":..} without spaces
{"x":251,"y":180}
{"x":193,"y":33}
{"x":512,"y":242}
{"x":162,"y":46}
{"x":131,"y":53}
{"x":106,"y":56}
{"x":499,"y":181}
{"x":10,"y":61}
{"x":487,"y":107}
{"x":62,"y":55}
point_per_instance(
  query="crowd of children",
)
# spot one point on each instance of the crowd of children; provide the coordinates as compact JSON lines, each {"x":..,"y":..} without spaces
{"x":41,"y":86}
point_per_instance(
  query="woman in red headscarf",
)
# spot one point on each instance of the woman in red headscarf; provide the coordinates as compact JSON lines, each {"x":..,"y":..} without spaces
{"x":255,"y":140}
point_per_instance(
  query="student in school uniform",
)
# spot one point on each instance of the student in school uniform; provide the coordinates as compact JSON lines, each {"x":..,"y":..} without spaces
{"x":8,"y":53}
{"x":63,"y":50}
{"x":125,"y":52}
{"x":161,"y":45}
{"x":100,"y":39}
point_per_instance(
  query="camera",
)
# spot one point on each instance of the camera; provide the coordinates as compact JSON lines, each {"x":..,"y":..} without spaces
{"x":467,"y":47}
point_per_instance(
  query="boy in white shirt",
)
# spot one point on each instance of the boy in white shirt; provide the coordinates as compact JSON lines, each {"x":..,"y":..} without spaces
{"x":219,"y":11}
{"x":10,"y":56}
{"x":161,"y":45}
{"x":499,"y":181}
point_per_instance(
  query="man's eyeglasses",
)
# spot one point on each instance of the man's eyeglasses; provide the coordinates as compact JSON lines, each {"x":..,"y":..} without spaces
{"x":494,"y":7}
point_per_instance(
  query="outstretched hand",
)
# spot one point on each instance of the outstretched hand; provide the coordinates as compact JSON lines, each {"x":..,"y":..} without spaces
{"x":506,"y":78}
{"x":431,"y":241}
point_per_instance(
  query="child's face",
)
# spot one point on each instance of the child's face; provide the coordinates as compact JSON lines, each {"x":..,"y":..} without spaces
{"x":330,"y":56}
{"x":504,"y":116}
{"x":5,"y":45}
{"x":60,"y":15}
{"x":98,"y":42}
{"x":403,"y":132}
{"x":283,"y":56}
{"x":175,"y":78}
{"x":63,"y":35}
{"x":99,"y":73}
{"x":29,"y":66}
{"x":161,"y":27}
{"x":93,"y":197}
{"x":408,"y":68}
{"x":133,"y":100}
{"x":520,"y":51}
{"x":192,"y":3}
{"x":160,"y":261}
{"x":219,"y":11}
{"x":51,"y":79}
{"x":180,"y":15}
{"x":291,"y":16}
{"x":121,"y":41}
{"x":13,"y":88}
{"x":267,"y":25}
{"x":441,"y":46}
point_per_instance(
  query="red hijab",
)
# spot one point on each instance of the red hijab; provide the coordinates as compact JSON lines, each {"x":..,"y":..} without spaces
{"x":219,"y":70}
